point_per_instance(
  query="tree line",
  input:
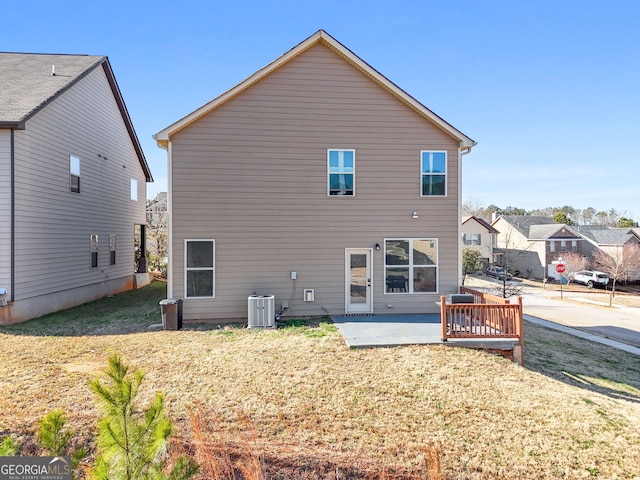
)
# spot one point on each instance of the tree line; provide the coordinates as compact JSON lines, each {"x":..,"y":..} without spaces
{"x":567,"y":214}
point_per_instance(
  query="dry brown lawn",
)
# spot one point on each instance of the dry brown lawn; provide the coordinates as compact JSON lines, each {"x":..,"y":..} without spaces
{"x":320,"y":410}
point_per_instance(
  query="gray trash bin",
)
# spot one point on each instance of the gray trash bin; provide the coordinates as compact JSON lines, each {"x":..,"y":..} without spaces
{"x":171,"y":314}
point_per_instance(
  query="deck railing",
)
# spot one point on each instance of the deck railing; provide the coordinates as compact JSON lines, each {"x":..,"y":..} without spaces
{"x":489,"y":317}
{"x":481,"y":297}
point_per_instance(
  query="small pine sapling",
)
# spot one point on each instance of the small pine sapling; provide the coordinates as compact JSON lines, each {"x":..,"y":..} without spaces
{"x":9,"y":447}
{"x":132,"y":444}
{"x":56,"y":441}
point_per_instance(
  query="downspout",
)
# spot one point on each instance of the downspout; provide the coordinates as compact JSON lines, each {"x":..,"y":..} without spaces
{"x":12,"y":272}
{"x":460,"y":155}
{"x":170,"y":262}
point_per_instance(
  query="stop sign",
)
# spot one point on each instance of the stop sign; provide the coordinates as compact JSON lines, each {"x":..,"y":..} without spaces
{"x":560,"y":268}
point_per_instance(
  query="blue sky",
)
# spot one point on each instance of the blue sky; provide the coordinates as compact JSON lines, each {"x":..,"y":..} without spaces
{"x":550,"y":90}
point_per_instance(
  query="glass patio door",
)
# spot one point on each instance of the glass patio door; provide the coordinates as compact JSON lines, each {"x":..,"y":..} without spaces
{"x":358,"y":281}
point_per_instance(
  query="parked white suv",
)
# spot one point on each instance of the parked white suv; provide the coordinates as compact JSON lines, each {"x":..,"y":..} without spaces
{"x":591,"y":278}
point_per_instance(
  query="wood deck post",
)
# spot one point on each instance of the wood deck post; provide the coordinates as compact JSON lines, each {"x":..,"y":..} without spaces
{"x":443,"y":317}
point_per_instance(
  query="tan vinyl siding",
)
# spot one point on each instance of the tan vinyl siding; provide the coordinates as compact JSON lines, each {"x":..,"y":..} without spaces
{"x":53,"y":225}
{"x":5,"y":209}
{"x":252,"y":175}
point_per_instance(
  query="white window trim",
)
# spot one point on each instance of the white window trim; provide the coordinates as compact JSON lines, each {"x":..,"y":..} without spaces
{"x":75,"y":172}
{"x":133,"y":195}
{"x":446,"y":173}
{"x":329,"y":150}
{"x":410,"y":266}
{"x":212,"y":268}
{"x":94,"y":247}
{"x":470,"y":238}
{"x":113,"y":248}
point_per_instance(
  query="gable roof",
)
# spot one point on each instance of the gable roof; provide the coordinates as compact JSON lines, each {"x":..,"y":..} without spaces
{"x":320,"y":37}
{"x":608,"y":236}
{"x":536,"y":227}
{"x":30,"y":81}
{"x":481,"y":221}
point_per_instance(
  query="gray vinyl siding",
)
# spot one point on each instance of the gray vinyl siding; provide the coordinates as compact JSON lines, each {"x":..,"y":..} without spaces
{"x":252,"y":175}
{"x":53,"y":225}
{"x":5,"y":209}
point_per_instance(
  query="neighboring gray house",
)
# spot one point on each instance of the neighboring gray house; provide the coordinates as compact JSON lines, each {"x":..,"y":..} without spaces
{"x":529,"y":244}
{"x":478,"y":234}
{"x":319,"y":181}
{"x":72,"y":187}
{"x":606,"y":239}
{"x":610,"y":241}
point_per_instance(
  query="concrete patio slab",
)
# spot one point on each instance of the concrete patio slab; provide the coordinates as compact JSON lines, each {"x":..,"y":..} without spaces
{"x":389,"y":330}
{"x":396,"y":330}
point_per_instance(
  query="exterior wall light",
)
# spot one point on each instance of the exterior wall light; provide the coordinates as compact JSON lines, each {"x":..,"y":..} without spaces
{"x":414,"y":215}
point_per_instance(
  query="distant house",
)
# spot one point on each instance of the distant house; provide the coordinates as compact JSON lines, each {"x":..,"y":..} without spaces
{"x":610,"y":241}
{"x":72,"y":187}
{"x":478,"y":233}
{"x":320,"y":182}
{"x":530,"y":244}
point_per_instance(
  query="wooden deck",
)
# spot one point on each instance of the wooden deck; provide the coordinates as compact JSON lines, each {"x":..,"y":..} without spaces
{"x":488,"y":317}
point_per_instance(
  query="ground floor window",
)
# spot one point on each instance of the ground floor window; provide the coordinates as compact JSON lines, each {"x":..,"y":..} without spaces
{"x":94,"y":251}
{"x":199,"y":268}
{"x":112,"y":249}
{"x":411,"y":265}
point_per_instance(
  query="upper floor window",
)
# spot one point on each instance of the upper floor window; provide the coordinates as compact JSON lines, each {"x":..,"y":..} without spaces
{"x":471,"y":239}
{"x":341,"y":172}
{"x":134,"y":189}
{"x":552,"y":246}
{"x":74,"y":174}
{"x":433,"y":173}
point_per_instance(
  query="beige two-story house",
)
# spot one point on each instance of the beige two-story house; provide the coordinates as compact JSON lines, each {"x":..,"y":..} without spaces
{"x":477,"y":233}
{"x":317,"y":181}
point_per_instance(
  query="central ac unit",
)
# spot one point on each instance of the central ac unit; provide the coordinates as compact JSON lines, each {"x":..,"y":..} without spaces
{"x":262,"y":311}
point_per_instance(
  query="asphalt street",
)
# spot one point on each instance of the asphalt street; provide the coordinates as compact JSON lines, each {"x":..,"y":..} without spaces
{"x":618,"y":323}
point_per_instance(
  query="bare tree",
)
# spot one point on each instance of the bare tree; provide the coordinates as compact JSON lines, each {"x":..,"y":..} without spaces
{"x":473,"y":206}
{"x":588,"y":214}
{"x":618,"y":264}
{"x":631,"y":254}
{"x":574,"y":262}
{"x":507,"y":289}
{"x":157,"y":232}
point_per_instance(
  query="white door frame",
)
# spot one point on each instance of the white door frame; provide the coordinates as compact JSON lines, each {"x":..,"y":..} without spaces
{"x":365,"y":307}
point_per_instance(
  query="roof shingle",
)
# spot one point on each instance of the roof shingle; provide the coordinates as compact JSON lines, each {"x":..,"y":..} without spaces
{"x":28,"y":83}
